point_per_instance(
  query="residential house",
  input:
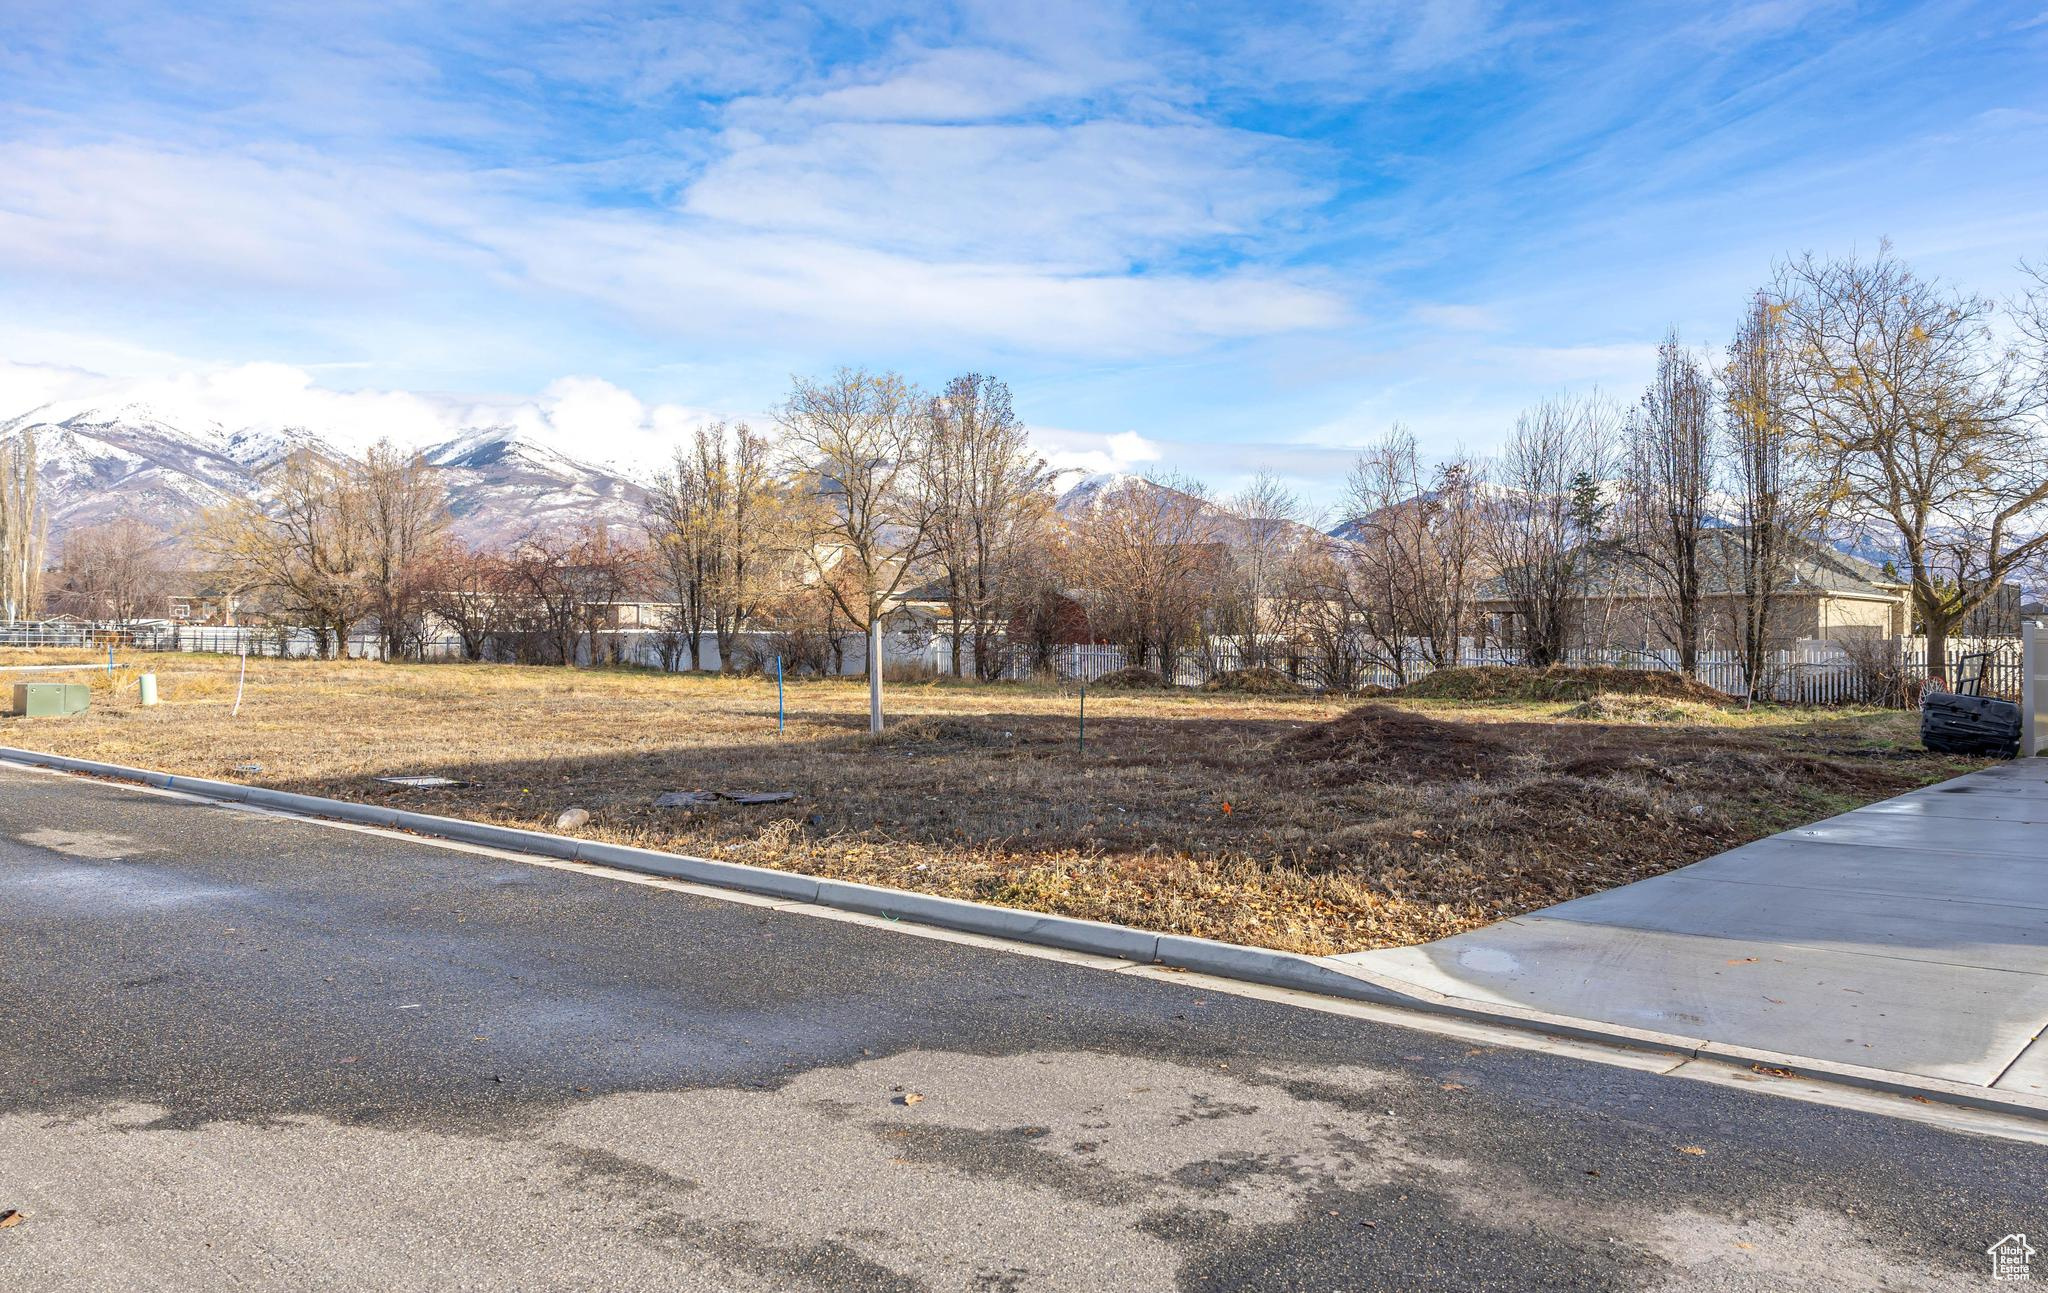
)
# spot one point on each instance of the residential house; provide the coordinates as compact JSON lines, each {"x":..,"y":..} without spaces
{"x":1825,"y":594}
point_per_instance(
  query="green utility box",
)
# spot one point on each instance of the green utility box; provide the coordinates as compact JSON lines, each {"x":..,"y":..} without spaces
{"x":49,"y":699}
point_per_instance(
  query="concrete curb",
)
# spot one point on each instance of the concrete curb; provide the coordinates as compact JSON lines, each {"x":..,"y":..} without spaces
{"x":1319,"y":975}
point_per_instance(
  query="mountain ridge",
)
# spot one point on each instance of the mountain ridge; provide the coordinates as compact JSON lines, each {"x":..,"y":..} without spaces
{"x":99,"y":465}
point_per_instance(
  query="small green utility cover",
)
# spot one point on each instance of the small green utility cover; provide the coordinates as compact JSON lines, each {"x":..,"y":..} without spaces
{"x":50,"y":699}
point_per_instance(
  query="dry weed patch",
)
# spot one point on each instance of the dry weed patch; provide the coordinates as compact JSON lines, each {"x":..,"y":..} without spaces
{"x":1294,"y":822}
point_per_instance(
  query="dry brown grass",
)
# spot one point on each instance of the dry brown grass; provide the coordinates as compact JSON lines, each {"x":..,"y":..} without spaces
{"x":1250,"y":818}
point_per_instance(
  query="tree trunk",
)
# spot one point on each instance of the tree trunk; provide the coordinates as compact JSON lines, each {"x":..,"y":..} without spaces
{"x":875,"y":673}
{"x":953,"y":607}
{"x":1937,"y":649}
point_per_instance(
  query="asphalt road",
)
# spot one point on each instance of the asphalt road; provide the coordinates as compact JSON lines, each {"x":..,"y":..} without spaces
{"x":249,"y":1052}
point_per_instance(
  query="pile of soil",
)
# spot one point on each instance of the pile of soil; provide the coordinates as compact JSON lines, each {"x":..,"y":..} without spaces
{"x":1256,"y":682}
{"x":1641,"y":709}
{"x":1130,"y":678}
{"x":1558,"y":683}
{"x":1401,"y":742}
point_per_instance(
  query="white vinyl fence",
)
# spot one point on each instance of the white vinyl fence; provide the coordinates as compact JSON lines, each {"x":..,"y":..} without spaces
{"x":644,"y":647}
{"x":1813,"y":673}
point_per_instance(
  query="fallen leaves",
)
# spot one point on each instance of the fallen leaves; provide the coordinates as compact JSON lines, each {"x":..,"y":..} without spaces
{"x":1773,"y":1070}
{"x":910,"y":1098}
{"x":1694,"y":1150}
{"x":11,"y":1217}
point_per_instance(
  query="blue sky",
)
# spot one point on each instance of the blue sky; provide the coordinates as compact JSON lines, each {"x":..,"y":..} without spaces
{"x":1201,"y":237}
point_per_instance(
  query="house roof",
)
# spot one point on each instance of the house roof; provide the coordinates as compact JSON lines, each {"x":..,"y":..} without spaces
{"x":1813,"y":569}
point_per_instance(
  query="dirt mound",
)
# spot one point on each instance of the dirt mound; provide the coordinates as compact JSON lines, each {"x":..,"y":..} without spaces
{"x":1256,"y":682}
{"x":1131,"y":678}
{"x":1558,"y":683}
{"x":1401,"y":742}
{"x":1642,"y":709}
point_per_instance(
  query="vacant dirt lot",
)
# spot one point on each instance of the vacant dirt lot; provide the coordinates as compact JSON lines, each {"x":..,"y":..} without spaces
{"x":1293,"y":822}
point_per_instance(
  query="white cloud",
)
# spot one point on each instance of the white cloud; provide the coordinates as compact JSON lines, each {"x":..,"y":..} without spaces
{"x":25,"y":386}
{"x":245,"y":228}
{"x":711,"y":283}
{"x":1628,"y":362}
{"x":1094,"y":195}
{"x":1090,"y":453}
{"x":142,"y":216}
{"x":964,"y":84}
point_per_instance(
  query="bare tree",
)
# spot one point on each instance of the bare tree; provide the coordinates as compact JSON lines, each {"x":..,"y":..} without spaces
{"x":544,"y":599}
{"x":1666,"y":477}
{"x":857,"y":444}
{"x":467,"y":591}
{"x":1541,"y":513}
{"x":307,"y":543}
{"x":406,"y":511}
{"x":23,"y":528}
{"x":1778,"y":502}
{"x":113,"y":571}
{"x":1150,"y":560}
{"x":1411,"y":538}
{"x":603,"y":574}
{"x":336,"y":541}
{"x":1329,"y":613}
{"x":1264,"y":520}
{"x":991,"y":498}
{"x":1924,"y":418}
{"x":679,"y":522}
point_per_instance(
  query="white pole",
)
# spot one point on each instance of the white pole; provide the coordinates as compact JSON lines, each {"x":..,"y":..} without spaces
{"x":239,"y":680}
{"x":875,"y":672}
{"x":2033,"y":686}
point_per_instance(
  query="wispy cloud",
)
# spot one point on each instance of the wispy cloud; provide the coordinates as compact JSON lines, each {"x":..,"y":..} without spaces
{"x":1222,"y":225}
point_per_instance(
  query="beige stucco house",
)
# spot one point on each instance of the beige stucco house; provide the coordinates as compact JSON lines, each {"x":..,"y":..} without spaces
{"x":1825,"y":594}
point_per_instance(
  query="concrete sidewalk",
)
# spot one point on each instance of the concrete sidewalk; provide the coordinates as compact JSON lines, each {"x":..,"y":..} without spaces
{"x":1910,"y":936}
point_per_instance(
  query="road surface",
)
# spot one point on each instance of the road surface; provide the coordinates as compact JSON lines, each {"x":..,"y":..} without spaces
{"x":250,"y":1051}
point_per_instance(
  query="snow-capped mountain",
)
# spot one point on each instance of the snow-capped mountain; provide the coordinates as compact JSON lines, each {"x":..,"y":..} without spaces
{"x":96,"y":466}
{"x":1087,"y":494}
{"x":502,"y":486}
{"x":99,"y":465}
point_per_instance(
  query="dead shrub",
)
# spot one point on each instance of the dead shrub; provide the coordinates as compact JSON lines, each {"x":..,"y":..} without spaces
{"x":1131,"y":678}
{"x":1255,"y":682}
{"x":1558,"y":683}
